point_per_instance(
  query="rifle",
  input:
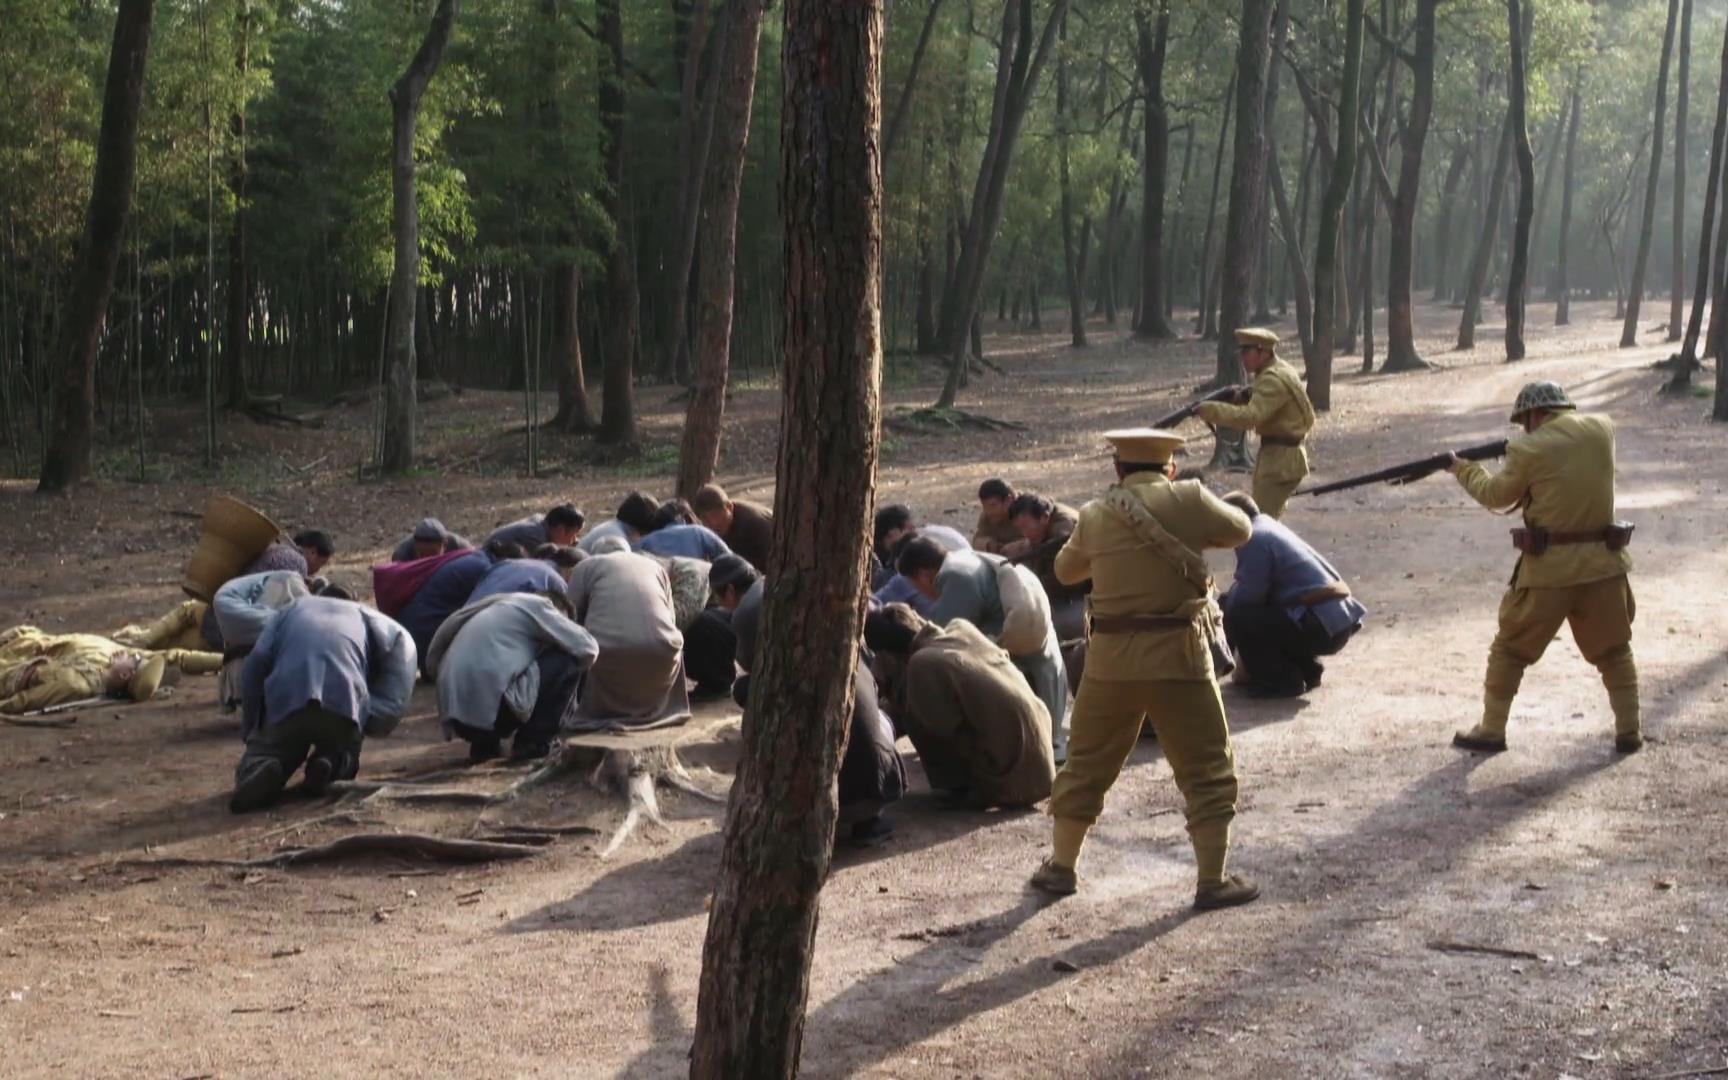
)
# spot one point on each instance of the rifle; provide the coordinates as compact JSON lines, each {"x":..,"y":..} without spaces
{"x":1192,"y":408}
{"x":1412,"y":471}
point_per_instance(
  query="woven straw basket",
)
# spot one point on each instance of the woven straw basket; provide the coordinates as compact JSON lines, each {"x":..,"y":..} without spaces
{"x":234,"y":535}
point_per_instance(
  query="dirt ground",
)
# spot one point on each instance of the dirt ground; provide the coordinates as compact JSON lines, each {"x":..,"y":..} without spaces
{"x":1373,"y":839}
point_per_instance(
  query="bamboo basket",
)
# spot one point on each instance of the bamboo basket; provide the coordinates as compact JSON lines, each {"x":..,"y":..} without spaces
{"x":234,"y":535}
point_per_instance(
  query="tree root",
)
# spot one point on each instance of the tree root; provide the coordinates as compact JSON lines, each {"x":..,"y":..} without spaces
{"x":950,"y":419}
{"x":635,"y":774}
{"x":417,"y":845}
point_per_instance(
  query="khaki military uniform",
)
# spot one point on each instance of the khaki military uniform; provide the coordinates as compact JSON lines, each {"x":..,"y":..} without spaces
{"x":39,"y":669}
{"x":1562,"y":475}
{"x":1163,"y":674}
{"x":181,"y":628}
{"x":1279,"y":410}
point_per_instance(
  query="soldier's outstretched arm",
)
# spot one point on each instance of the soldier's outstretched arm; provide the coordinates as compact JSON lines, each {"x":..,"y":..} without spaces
{"x":1269,"y":397}
{"x":1496,"y":491}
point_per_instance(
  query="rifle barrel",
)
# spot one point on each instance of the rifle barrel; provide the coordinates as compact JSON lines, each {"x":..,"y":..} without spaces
{"x":1412,"y":469}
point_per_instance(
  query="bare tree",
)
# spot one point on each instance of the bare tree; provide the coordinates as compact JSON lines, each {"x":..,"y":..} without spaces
{"x":1326,"y":275}
{"x":1517,"y":275}
{"x":66,"y":457}
{"x":1247,"y":184}
{"x":1477,"y":282}
{"x":1635,"y":291}
{"x":780,"y":823}
{"x":399,"y":404}
{"x":1401,"y":354}
{"x":1682,"y":102}
{"x":1563,"y":286}
{"x":1151,"y":44}
{"x":618,"y":406}
{"x":1708,"y":268}
{"x":699,"y":451}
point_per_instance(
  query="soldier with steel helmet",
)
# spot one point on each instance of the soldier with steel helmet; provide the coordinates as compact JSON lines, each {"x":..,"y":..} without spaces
{"x":1572,"y":561}
{"x":1153,"y":628}
{"x":1278,"y":411}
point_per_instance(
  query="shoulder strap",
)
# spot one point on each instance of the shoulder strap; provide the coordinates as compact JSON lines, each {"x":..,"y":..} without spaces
{"x":1127,"y":506}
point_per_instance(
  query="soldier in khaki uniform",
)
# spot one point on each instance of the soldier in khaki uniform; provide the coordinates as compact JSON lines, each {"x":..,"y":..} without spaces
{"x":1279,"y":412}
{"x":1573,"y":564}
{"x":1153,"y":621}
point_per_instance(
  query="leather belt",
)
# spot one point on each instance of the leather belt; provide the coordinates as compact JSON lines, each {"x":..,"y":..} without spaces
{"x":1138,"y":624}
{"x":1281,"y":440}
{"x":1536,"y":540}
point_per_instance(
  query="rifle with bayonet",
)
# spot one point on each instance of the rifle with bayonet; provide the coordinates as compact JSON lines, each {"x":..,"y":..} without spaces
{"x":1233,"y":394}
{"x":1412,"y":471}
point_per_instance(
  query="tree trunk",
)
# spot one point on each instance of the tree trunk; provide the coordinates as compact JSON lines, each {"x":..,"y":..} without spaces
{"x":1326,"y":244}
{"x":399,"y":405}
{"x":239,"y":284}
{"x":699,"y":451}
{"x":1635,"y":290}
{"x":618,"y":405}
{"x":1562,"y":287}
{"x":1178,"y":240}
{"x":1517,"y":274}
{"x":1151,"y":47}
{"x":1688,"y":358}
{"x":781,"y":818}
{"x":1073,"y":262}
{"x":425,"y":359}
{"x":1204,"y":323}
{"x":1478,"y":279}
{"x":926,"y":341}
{"x":695,"y":138}
{"x":66,"y":454}
{"x":1682,"y":101}
{"x":1293,"y":258}
{"x":574,"y":414}
{"x":1401,"y":354}
{"x":1443,"y":218}
{"x":1019,"y":65}
{"x":1247,"y":186}
{"x":913,"y":70}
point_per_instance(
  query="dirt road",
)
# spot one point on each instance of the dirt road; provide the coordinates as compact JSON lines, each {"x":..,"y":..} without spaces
{"x":1393,"y":866}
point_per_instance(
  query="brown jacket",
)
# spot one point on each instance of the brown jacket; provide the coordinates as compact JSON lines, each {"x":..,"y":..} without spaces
{"x":1001,"y":538}
{"x":752,"y":533}
{"x":1041,"y":560}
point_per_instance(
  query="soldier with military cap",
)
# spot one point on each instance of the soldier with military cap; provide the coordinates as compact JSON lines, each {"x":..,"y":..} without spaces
{"x":1572,"y":564}
{"x":1278,"y":411}
{"x":1154,"y":623}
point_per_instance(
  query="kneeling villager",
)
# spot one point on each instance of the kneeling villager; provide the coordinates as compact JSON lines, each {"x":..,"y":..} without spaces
{"x":625,"y":601}
{"x":970,"y":586}
{"x":429,"y":538}
{"x":244,"y":607}
{"x":561,"y":525}
{"x":1572,"y":564}
{"x":1279,"y":411}
{"x":509,"y":665}
{"x":981,"y":734}
{"x":746,"y":527}
{"x":39,"y":670}
{"x":1287,"y":608}
{"x":324,"y":674}
{"x":1154,"y":632}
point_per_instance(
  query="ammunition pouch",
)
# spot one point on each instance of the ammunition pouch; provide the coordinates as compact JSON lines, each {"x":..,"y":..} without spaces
{"x":1536,"y":540}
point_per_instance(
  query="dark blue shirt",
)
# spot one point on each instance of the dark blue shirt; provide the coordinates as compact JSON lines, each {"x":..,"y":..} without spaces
{"x":444,"y":593}
{"x":690,"y":541}
{"x":518,"y":575}
{"x":1277,"y":568}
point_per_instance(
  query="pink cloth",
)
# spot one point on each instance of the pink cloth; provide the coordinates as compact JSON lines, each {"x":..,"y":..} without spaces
{"x":394,"y":584}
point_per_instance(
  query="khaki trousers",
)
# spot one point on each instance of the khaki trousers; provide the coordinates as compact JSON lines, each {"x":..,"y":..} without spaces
{"x":1600,"y":614}
{"x":181,"y":628}
{"x":1188,"y":718}
{"x":1271,"y":495}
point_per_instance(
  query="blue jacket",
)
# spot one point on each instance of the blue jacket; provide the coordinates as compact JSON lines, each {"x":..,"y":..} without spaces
{"x":345,"y":658}
{"x":690,"y":541}
{"x":518,"y":575}
{"x":530,"y":532}
{"x":966,"y":589}
{"x":898,"y":589}
{"x":1277,"y":568}
{"x":445,"y":592}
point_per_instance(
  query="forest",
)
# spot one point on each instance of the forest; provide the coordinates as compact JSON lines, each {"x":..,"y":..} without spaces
{"x":593,"y":202}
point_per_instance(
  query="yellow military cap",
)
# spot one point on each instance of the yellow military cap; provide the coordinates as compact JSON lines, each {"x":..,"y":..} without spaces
{"x":148,"y":678}
{"x":1144,"y":446}
{"x":1257,"y":336}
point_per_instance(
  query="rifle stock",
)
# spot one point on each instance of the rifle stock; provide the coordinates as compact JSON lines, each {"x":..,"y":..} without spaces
{"x":1228,"y":393}
{"x":1412,"y":470}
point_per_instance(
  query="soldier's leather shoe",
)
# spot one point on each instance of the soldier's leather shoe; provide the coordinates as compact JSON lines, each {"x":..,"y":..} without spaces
{"x":1482,"y":742}
{"x":1629,"y":744}
{"x":1055,"y":879}
{"x":1231,"y":892}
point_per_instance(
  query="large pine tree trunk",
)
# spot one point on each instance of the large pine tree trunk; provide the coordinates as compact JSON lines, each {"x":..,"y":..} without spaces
{"x":1562,"y":286}
{"x":781,"y":818}
{"x":1151,"y":47}
{"x":1641,"y":261}
{"x":699,"y":451}
{"x":1326,"y":272}
{"x":1401,"y":354}
{"x":1247,"y":186}
{"x":1682,"y":102}
{"x":66,"y":457}
{"x":1517,"y":274}
{"x":618,"y":406}
{"x":399,"y":405}
{"x":1688,"y":358}
{"x":1020,"y":63}
{"x":1478,"y":279}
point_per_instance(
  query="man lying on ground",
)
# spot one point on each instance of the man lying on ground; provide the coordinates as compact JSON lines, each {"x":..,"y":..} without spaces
{"x":325,"y":674}
{"x":509,"y":665}
{"x":429,"y":538}
{"x":39,"y":670}
{"x":1287,"y":608}
{"x":982,"y":736}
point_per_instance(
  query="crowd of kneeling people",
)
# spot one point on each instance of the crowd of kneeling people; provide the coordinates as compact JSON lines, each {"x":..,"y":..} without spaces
{"x":972,"y":645}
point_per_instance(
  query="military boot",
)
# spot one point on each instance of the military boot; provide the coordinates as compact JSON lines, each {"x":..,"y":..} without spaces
{"x":1233,"y":891}
{"x":1054,"y":878}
